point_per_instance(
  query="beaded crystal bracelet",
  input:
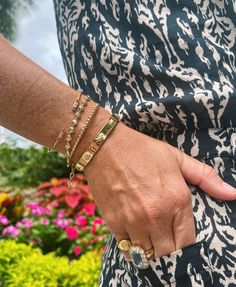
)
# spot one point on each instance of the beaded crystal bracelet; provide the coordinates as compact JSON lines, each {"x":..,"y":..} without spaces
{"x":82,"y":132}
{"x":73,"y":127}
{"x":62,"y":132}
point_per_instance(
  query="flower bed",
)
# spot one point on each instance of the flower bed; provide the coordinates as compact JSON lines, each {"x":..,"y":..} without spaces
{"x":56,"y":219}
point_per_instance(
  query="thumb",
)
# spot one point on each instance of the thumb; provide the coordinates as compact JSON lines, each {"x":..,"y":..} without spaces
{"x":203,"y":175}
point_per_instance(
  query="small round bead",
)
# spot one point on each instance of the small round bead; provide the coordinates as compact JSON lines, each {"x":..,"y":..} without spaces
{"x":74,"y":122}
{"x":71,"y":130}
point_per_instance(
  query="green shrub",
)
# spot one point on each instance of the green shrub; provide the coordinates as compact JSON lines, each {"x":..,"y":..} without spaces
{"x":28,"y":167}
{"x":11,"y":253}
{"x":22,"y":266}
{"x":89,"y":269}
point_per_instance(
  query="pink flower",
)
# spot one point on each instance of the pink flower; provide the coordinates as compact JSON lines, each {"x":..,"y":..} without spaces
{"x":89,"y":208}
{"x":12,"y":230}
{"x":33,"y":205}
{"x":81,"y":220}
{"x":77,"y":250}
{"x":45,"y":221}
{"x":3,"y":220}
{"x":72,"y":232}
{"x":61,"y":214}
{"x":38,"y":211}
{"x":47,"y":210}
{"x":61,"y":223}
{"x":98,"y":221}
{"x":27,"y":223}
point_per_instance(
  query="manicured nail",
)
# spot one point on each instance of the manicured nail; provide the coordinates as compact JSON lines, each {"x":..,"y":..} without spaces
{"x":228,"y":187}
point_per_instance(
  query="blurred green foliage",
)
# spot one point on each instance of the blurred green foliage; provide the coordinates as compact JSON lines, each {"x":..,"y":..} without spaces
{"x":10,"y":11}
{"x":28,"y":167}
{"x":21,"y":265}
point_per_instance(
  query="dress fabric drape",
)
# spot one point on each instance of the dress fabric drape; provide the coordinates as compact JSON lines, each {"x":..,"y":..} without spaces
{"x":168,"y":68}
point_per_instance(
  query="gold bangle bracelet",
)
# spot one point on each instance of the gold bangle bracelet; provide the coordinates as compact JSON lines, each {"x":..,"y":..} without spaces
{"x":97,"y":142}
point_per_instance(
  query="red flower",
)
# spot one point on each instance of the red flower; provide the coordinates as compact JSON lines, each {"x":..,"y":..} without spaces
{"x":93,"y":230}
{"x":77,"y":250}
{"x":44,"y":185}
{"x":98,"y":221}
{"x":72,"y":199}
{"x":89,"y":208}
{"x":58,"y":190}
{"x":81,"y":220}
{"x":72,"y":232}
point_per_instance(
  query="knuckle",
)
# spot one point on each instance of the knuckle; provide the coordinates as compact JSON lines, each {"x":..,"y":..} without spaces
{"x":153,"y":214}
{"x":208,"y":170}
{"x":131,"y":220}
{"x":182,"y":199}
{"x":111,"y":222}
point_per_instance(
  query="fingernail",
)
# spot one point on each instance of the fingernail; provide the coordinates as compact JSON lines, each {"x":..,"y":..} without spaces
{"x":228,"y":187}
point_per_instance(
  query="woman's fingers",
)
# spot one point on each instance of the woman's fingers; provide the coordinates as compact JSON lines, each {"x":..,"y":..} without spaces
{"x":203,"y":175}
{"x":184,"y":228}
{"x":121,"y":236}
{"x":162,"y":239}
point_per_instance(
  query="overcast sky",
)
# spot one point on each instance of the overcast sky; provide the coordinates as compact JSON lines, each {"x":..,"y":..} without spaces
{"x":37,"y":39}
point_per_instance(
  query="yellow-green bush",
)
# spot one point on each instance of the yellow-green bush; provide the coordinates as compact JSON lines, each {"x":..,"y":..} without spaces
{"x":22,"y":266}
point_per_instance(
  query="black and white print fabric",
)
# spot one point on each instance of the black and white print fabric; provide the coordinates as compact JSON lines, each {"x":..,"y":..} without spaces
{"x":168,"y":68}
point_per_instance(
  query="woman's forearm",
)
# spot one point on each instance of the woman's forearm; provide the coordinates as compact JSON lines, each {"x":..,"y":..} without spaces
{"x":35,"y":104}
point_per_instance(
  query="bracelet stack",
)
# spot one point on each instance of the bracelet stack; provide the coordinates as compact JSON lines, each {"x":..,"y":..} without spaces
{"x":77,"y":109}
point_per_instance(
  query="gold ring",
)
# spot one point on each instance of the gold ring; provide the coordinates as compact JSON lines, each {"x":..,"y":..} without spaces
{"x":140,"y":257}
{"x":149,"y":253}
{"x":124,"y":244}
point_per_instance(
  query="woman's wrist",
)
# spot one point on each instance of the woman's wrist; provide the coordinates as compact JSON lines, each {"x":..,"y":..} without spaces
{"x":111,"y":148}
{"x":95,"y":125}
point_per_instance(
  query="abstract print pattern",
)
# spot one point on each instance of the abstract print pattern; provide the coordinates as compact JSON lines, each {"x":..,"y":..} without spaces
{"x":168,"y":68}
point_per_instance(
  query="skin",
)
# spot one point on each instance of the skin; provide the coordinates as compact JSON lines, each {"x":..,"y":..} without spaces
{"x":138,"y":182}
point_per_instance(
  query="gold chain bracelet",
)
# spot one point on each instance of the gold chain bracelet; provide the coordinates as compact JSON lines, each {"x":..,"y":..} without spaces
{"x":82,"y":132}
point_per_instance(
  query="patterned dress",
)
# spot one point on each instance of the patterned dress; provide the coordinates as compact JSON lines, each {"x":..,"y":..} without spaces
{"x":168,"y":68}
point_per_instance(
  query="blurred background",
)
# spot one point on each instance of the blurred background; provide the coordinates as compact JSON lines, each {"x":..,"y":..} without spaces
{"x":49,"y":234}
{"x":30,"y":27}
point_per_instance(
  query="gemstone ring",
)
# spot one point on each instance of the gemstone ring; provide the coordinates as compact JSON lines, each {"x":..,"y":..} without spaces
{"x":140,"y":257}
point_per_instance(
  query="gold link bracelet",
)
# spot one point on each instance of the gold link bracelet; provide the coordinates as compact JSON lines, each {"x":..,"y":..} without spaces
{"x":97,"y":142}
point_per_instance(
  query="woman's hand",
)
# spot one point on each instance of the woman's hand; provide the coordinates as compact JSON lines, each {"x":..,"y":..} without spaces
{"x":138,"y":183}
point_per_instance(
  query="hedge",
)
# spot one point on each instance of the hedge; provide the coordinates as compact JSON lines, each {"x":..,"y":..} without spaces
{"x":23,"y":266}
